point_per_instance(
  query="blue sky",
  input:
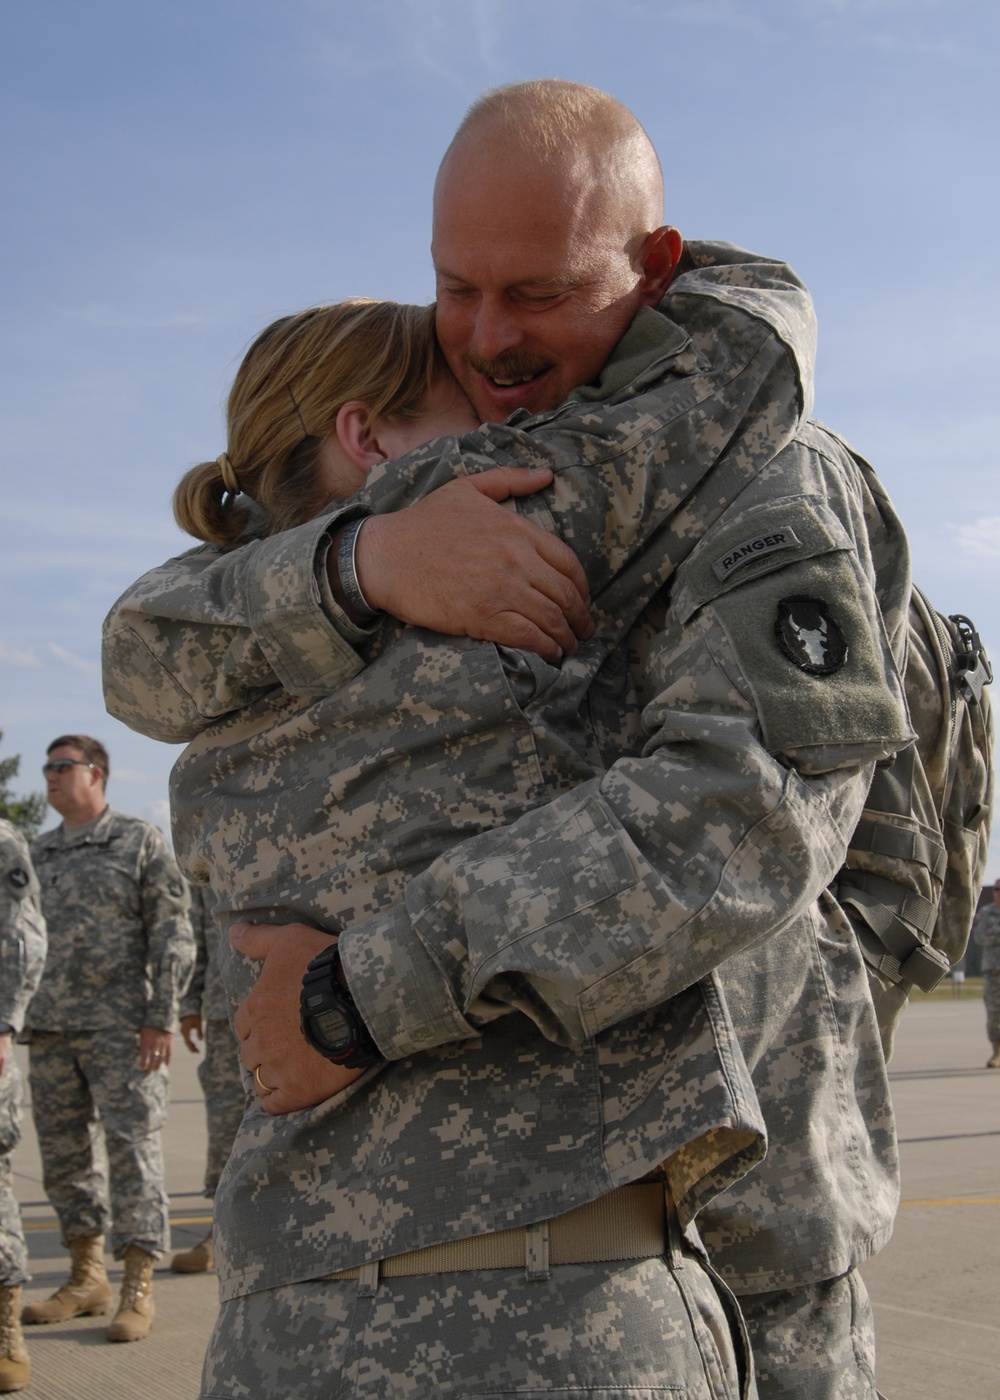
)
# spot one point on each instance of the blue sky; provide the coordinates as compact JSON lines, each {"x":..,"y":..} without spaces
{"x":179,"y":172}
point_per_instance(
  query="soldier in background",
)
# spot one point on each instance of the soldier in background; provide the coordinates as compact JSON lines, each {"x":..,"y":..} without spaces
{"x":22,"y":957}
{"x":100,"y":1032}
{"x":205,"y":1018}
{"x":986,"y":932}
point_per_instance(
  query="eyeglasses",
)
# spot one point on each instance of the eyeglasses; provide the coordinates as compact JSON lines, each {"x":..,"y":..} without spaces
{"x":63,"y":765}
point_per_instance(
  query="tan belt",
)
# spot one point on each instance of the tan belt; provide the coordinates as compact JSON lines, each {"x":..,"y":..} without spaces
{"x":629,"y":1223}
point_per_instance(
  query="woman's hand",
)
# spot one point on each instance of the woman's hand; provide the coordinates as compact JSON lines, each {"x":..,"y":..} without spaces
{"x":288,"y":1073}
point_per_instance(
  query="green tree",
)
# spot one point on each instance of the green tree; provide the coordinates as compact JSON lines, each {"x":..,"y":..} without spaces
{"x":26,"y":813}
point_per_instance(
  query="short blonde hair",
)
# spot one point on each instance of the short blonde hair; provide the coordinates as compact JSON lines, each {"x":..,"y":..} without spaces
{"x":546,"y":114}
{"x":293,"y":381}
{"x":552,"y":121}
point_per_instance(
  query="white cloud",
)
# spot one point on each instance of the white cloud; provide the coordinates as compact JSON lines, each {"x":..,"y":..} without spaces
{"x":69,"y":658}
{"x":10,"y":656}
{"x":159,"y":814}
{"x":980,"y":538}
{"x":134,"y":775}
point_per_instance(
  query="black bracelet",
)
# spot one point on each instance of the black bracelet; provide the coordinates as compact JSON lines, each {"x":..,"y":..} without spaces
{"x":348,"y":574}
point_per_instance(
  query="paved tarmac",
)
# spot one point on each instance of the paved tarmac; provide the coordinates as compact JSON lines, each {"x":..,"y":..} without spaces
{"x":935,"y":1287}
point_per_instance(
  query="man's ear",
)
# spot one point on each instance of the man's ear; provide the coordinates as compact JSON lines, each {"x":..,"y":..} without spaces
{"x":356,"y":435}
{"x":658,"y":257}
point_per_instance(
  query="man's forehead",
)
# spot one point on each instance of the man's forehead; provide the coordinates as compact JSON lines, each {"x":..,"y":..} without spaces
{"x":521,"y":243}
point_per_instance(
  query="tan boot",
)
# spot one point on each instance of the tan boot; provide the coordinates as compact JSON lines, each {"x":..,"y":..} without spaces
{"x":135,"y":1312}
{"x":15,"y":1369}
{"x":197,"y":1260}
{"x":87,"y":1290}
{"x":994,"y":1061}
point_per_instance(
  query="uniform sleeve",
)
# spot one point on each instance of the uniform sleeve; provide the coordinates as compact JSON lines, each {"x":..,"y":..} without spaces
{"x":729,"y":825}
{"x":191,"y":1003}
{"x":986,"y":928}
{"x":22,"y":929}
{"x":165,"y":905}
{"x":208,"y":633}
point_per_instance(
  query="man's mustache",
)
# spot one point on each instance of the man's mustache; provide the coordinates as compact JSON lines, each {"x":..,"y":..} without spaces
{"x":512,"y":364}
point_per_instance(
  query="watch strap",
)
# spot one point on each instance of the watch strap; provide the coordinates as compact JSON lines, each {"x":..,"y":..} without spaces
{"x":322,"y":989}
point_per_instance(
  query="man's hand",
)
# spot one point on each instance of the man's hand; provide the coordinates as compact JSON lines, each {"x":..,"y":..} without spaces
{"x":457,"y":562}
{"x":6,"y":1042}
{"x":290,"y":1074}
{"x":193,"y":1031}
{"x":154,"y":1047}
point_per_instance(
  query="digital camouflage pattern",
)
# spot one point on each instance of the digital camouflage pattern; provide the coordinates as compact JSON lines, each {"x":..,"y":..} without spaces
{"x":916,"y":859}
{"x":986,"y":932}
{"x":13,"y":1249}
{"x":22,"y":957}
{"x":597,"y":904}
{"x":23,"y":938}
{"x":587,"y":1332}
{"x":120,"y":954}
{"x":120,"y":943}
{"x":96,"y":1111}
{"x":817,"y":1341}
{"x":219,"y":1066}
{"x":205,"y":994}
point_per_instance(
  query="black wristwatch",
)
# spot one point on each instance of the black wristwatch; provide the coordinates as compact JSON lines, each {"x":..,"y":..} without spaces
{"x":331,"y":1021}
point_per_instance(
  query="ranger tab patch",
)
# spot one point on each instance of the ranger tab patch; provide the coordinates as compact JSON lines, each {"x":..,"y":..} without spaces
{"x":754,"y":549}
{"x":809,"y":636}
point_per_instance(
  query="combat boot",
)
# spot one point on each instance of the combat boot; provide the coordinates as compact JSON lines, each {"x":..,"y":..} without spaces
{"x":994,"y":1061}
{"x":197,"y":1260}
{"x":87,"y":1290}
{"x":135,"y":1312}
{"x":15,"y":1369}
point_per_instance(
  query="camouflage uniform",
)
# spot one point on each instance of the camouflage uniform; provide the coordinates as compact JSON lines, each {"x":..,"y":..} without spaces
{"x":121,"y":952}
{"x":219,"y":1066}
{"x":22,"y":957}
{"x":986,"y":932}
{"x":590,"y":900}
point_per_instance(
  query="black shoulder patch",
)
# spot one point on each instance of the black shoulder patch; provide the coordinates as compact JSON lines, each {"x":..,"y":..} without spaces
{"x":19,"y":878}
{"x":809,"y":635}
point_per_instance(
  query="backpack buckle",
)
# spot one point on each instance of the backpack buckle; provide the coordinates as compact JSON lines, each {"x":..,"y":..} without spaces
{"x":972,"y":666}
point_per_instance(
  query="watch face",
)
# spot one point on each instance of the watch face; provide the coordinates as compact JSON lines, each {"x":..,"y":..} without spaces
{"x":333,"y":1028}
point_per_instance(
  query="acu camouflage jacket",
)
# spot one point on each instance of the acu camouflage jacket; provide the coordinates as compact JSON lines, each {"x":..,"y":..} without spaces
{"x":120,"y":942}
{"x":542,"y":989}
{"x":22,"y":928}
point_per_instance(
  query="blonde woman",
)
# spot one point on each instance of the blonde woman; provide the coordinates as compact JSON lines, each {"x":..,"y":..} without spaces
{"x":319,"y":398}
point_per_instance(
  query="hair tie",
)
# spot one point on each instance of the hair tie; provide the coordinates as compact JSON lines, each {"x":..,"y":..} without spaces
{"x":302,"y":421}
{"x":229,"y":478}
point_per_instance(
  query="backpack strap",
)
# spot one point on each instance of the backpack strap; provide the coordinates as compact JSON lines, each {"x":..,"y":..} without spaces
{"x":887,"y":929}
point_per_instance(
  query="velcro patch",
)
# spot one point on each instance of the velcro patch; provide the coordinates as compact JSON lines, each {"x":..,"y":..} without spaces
{"x":754,"y":548}
{"x":809,"y":635}
{"x":19,"y":878}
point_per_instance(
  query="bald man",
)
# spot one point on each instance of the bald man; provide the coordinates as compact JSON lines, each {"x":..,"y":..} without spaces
{"x":565,"y":947}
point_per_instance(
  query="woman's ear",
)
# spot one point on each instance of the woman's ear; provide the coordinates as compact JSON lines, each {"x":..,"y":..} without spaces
{"x":355,"y":435}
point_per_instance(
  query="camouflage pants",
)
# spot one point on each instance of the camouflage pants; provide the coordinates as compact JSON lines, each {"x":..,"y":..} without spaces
{"x":13,"y":1252}
{"x":98,"y":1119}
{"x":991,"y":996}
{"x":815,"y":1342}
{"x":225,"y":1098}
{"x":621,"y":1331}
